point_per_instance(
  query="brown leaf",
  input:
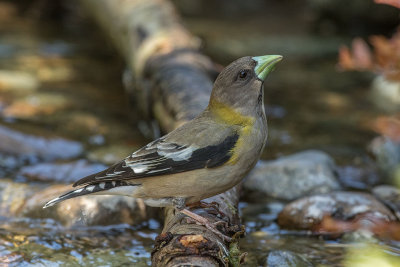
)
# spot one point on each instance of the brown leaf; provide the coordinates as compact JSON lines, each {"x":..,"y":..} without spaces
{"x":388,"y":126}
{"x":383,"y":50}
{"x":368,"y":221}
{"x":345,"y":58}
{"x":360,"y":58}
{"x":362,"y":54}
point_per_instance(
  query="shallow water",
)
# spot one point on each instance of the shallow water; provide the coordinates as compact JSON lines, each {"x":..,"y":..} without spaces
{"x":79,"y":96}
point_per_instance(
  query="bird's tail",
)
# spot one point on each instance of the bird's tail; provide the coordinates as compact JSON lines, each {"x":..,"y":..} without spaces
{"x":102,"y":188}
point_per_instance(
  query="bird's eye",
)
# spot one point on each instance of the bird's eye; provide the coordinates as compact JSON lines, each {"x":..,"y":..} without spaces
{"x":242,"y":74}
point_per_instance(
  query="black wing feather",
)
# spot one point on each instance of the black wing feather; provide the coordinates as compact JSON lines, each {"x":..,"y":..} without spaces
{"x":157,"y":162}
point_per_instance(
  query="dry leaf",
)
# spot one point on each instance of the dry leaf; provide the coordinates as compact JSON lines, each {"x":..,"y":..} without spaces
{"x":388,"y":126}
{"x":362,"y":54}
{"x":359,"y":58}
{"x":366,"y":221}
{"x":384,"y":59}
{"x":345,"y":58}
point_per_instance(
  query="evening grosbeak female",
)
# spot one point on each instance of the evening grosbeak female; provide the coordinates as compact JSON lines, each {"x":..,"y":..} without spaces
{"x":204,"y":157}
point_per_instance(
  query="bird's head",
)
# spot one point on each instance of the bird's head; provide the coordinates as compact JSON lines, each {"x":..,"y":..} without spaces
{"x":240,"y":84}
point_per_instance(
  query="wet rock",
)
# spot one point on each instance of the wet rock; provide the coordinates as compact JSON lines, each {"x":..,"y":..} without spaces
{"x":37,"y":104}
{"x":278,"y":258}
{"x":18,"y":81}
{"x":13,"y":196}
{"x":309,"y":211}
{"x":385,"y":94}
{"x":29,"y":146}
{"x":387,"y":156}
{"x":60,"y":172}
{"x":291,"y":177}
{"x":87,"y":210}
{"x":389,"y":195}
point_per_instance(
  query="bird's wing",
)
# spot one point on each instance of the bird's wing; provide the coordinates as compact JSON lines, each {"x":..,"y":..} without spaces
{"x":168,"y":155}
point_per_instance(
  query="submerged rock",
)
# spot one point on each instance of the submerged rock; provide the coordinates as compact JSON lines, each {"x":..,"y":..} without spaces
{"x":13,"y":196}
{"x":309,"y":211}
{"x":294,"y":176}
{"x":278,"y":258}
{"x":87,"y":210}
{"x":389,"y":195}
{"x":30,"y":146}
{"x":36,"y":104}
{"x":18,"y":81}
{"x":60,"y":172}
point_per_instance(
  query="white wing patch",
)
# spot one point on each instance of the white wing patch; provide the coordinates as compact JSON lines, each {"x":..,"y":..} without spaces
{"x":152,"y":158}
{"x":139,"y":168}
{"x":180,"y":155}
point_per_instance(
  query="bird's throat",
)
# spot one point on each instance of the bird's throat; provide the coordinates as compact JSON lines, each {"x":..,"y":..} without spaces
{"x":229,"y":115}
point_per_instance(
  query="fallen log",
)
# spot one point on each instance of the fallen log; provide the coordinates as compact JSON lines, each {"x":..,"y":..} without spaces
{"x":171,"y":82}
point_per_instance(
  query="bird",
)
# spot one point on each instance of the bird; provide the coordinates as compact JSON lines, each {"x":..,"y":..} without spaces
{"x":205,"y":156}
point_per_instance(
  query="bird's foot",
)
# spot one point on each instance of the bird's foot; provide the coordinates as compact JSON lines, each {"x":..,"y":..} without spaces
{"x":210,"y":226}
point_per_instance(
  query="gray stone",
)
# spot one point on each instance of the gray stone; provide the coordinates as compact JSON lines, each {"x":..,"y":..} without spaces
{"x":279,"y":258}
{"x":389,"y":195}
{"x":309,"y":211}
{"x":387,"y":156}
{"x":60,"y":172}
{"x":291,"y":177}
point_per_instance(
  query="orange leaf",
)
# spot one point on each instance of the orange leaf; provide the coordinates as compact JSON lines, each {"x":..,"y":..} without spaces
{"x":345,"y":58}
{"x":367,"y":221}
{"x":388,"y":126}
{"x":362,"y":54}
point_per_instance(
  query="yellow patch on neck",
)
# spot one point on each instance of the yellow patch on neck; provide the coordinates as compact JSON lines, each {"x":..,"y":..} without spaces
{"x":230,"y":116}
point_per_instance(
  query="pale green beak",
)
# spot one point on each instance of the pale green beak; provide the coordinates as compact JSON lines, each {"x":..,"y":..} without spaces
{"x":265,"y":64}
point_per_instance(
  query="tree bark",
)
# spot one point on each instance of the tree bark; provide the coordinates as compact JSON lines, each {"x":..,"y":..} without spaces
{"x":171,"y":82}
